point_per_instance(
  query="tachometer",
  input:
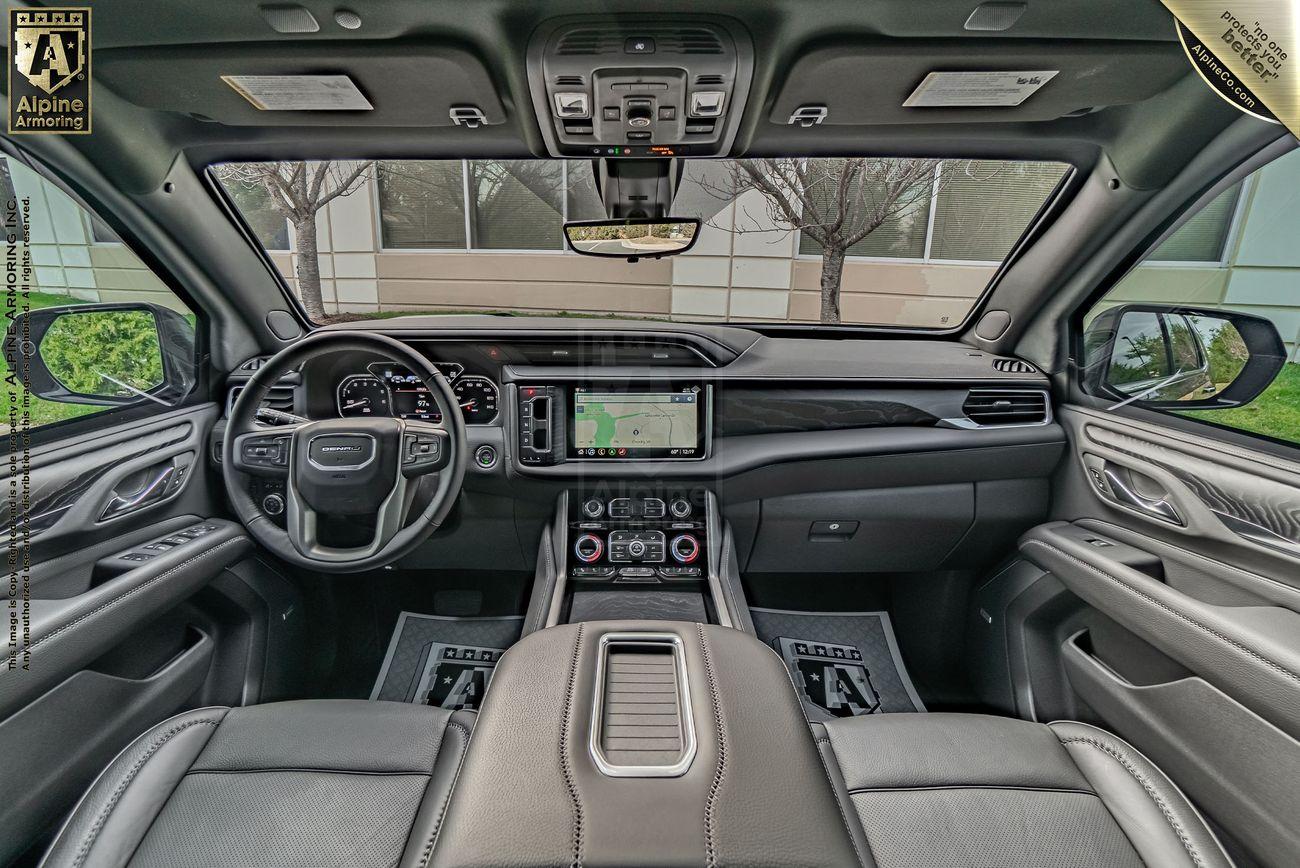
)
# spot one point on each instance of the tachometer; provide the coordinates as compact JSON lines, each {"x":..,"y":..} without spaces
{"x":362,"y":395}
{"x":477,"y":397}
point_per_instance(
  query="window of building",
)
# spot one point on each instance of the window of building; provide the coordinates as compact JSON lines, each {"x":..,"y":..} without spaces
{"x":1204,"y":237}
{"x":422,"y":204}
{"x":980,"y":209}
{"x":516,"y":204}
{"x":983,"y":206}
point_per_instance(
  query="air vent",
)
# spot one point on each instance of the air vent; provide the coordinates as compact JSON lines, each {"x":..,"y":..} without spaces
{"x":1006,"y":407}
{"x":278,"y":397}
{"x":674,"y":40}
{"x":694,"y":41}
{"x":712,"y":80}
{"x":569,"y":81}
{"x":1014,"y":366}
{"x":589,"y":41}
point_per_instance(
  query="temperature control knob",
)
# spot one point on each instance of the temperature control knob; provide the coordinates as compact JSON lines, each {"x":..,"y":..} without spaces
{"x":593,"y":507}
{"x":588,"y":548}
{"x":685,"y":548}
{"x":680,"y":507}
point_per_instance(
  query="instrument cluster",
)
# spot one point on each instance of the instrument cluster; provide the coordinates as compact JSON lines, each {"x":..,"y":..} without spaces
{"x":389,"y":389}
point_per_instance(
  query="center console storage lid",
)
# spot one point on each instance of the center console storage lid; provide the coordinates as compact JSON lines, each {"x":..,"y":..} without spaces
{"x":722,"y":769}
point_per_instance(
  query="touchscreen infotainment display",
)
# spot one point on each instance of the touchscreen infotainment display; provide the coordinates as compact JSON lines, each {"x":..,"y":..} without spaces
{"x":626,"y":425}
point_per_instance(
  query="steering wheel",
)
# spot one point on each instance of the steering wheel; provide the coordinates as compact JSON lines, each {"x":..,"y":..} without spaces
{"x":355,"y":467}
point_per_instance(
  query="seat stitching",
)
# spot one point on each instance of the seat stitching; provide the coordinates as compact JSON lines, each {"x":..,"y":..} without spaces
{"x":324,"y":770}
{"x":102,"y":817}
{"x":935,"y":787}
{"x":715,"y":785}
{"x":1146,"y":785}
{"x":127,"y":593}
{"x":1170,"y":609}
{"x":427,"y":853}
{"x":844,"y":817}
{"x":565,"y":767}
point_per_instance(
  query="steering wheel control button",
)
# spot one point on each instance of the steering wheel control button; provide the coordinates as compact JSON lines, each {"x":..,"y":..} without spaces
{"x":680,"y":508}
{"x":588,"y":548}
{"x":593,"y":507}
{"x":485,"y":457}
{"x":685,"y":548}
{"x":273,"y":504}
{"x":421,"y":450}
{"x":271,"y":451}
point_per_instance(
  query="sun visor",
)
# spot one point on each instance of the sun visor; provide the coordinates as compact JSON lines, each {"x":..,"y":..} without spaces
{"x":867,"y":83}
{"x":408,"y":85}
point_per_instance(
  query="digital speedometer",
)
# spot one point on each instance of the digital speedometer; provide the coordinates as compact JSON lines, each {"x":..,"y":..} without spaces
{"x":362,"y":395}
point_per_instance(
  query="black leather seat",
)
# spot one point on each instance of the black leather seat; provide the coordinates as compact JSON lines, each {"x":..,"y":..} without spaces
{"x":966,"y":790}
{"x":315,"y":783}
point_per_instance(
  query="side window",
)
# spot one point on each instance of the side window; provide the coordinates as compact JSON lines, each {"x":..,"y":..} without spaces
{"x":90,"y":328}
{"x":1207,"y":326}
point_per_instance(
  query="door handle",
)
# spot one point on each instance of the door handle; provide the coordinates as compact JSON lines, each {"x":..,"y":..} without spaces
{"x":151,"y":492}
{"x":1122,"y":488}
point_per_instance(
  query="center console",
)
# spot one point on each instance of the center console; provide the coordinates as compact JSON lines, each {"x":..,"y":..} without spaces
{"x":639,"y":743}
{"x":647,"y":538}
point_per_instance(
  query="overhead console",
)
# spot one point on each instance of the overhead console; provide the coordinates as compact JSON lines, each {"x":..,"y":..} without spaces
{"x":639,"y":87}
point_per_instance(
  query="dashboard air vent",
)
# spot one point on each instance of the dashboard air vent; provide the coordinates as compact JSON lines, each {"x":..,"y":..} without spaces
{"x":1014,"y":366}
{"x":1006,"y":407}
{"x":280,"y":397}
{"x":569,"y":81}
{"x":589,"y":40}
{"x":668,"y":40}
{"x":710,"y":80}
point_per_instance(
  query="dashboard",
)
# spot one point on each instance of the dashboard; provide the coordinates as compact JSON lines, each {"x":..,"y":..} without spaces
{"x":389,"y":389}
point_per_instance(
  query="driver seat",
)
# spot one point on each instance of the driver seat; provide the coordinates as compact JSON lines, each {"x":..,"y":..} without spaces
{"x":312,"y":783}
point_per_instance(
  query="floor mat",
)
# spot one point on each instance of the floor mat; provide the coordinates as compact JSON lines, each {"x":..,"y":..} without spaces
{"x":448,"y":662}
{"x":844,"y":663}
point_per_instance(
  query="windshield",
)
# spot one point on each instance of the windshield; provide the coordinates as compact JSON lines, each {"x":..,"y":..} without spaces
{"x":864,"y":241}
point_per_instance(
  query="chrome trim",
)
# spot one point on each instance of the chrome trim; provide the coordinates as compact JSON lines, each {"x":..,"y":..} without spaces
{"x":607,"y":768}
{"x":374,"y":450}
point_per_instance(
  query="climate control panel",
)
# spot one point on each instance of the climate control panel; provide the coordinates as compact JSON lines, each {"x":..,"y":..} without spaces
{"x":638,"y":538}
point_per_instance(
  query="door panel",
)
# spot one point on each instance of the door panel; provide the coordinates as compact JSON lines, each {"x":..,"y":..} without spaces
{"x":108,"y":645}
{"x":1182,"y":556}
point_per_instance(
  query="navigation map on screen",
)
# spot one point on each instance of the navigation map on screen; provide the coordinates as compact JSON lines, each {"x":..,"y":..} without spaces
{"x":621,"y":424}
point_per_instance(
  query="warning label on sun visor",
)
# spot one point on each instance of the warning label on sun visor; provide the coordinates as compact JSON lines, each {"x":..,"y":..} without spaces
{"x":974,"y":89}
{"x":299,"y":92}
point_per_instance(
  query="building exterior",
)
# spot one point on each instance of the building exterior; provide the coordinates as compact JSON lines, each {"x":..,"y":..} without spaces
{"x":381,"y":252}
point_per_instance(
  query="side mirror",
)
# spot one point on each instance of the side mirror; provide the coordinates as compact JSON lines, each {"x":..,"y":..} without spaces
{"x":111,"y":354}
{"x":633,"y":238}
{"x":1181,"y":358}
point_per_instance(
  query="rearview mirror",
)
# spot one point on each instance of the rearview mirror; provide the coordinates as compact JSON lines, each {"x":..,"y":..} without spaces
{"x":103,"y":354}
{"x":632,"y":239}
{"x":1184,"y":358}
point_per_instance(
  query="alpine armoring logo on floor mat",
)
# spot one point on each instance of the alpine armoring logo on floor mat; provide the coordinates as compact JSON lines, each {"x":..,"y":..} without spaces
{"x":456,"y":677}
{"x":832,"y":677}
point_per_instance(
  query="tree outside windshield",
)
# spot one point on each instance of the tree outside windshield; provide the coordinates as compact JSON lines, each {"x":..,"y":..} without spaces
{"x":893,"y":242}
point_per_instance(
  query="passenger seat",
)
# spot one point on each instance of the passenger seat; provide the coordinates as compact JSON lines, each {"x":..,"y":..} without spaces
{"x":315,"y":782}
{"x":964,"y":789}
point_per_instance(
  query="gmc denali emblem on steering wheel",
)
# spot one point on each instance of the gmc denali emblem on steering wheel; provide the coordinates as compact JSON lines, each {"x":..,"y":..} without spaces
{"x":341,"y":451}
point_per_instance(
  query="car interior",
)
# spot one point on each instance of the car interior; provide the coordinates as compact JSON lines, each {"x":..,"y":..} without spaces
{"x":610,"y":433}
